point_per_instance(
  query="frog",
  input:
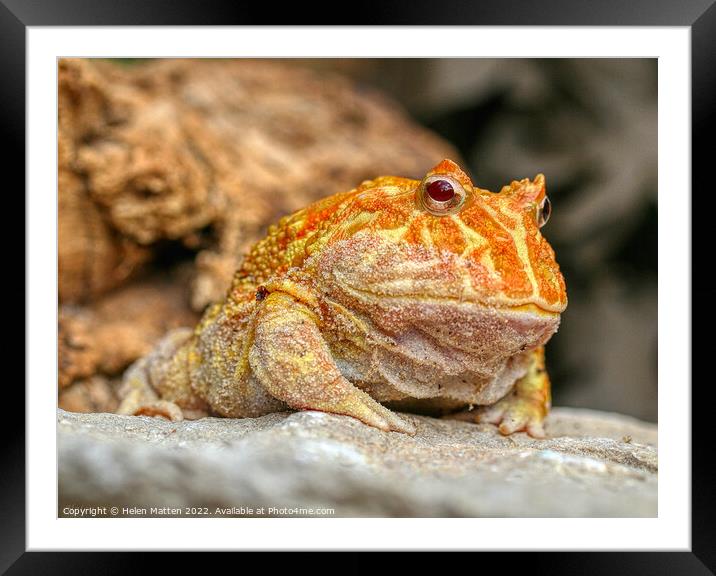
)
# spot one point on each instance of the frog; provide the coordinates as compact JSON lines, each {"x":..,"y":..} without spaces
{"x":401,"y":296}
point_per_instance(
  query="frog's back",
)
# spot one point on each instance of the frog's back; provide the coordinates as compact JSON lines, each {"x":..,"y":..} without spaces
{"x":299,"y":235}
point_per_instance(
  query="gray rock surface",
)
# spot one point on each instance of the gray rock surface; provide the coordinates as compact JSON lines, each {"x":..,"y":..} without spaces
{"x":316,"y":464}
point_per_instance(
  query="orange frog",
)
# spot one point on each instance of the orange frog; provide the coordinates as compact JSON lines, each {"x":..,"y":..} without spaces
{"x":430,"y":296}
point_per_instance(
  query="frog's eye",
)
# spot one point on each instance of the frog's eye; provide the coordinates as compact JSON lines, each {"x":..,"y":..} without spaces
{"x":543,"y":212}
{"x":441,"y":195}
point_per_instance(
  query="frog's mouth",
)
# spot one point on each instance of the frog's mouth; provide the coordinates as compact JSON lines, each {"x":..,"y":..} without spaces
{"x":534,"y":308}
{"x":401,"y":298}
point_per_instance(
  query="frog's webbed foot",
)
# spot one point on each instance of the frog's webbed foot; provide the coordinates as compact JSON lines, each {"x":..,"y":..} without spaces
{"x":525,"y":408}
{"x":163,"y":408}
{"x":291,"y":359}
{"x":165,"y":364}
{"x":514,"y":414}
{"x":140,"y":399}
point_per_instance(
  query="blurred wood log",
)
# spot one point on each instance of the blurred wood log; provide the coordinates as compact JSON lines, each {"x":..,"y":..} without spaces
{"x":207,"y":153}
{"x":104,"y":337}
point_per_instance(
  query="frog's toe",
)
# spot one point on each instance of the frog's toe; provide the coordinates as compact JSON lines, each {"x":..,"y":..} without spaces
{"x":480,"y":415}
{"x":489,"y":414}
{"x":535,"y":428}
{"x":513,"y":422}
{"x":374,"y":414}
{"x":521,"y":415}
{"x":398,"y":424}
{"x":162,"y":408}
{"x":510,"y":415}
{"x":362,"y":412}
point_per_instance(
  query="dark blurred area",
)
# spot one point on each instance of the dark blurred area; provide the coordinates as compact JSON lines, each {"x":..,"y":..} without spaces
{"x":590,"y":125}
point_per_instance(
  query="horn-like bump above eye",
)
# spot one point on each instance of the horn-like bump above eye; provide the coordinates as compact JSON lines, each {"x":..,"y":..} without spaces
{"x":544,"y":211}
{"x":441,"y":194}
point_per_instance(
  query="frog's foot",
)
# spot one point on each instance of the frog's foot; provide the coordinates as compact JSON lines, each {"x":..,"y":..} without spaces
{"x":511,"y":414}
{"x":162,"y":408}
{"x":140,"y":400}
{"x":514,"y":413}
{"x":293,"y":362}
{"x":525,"y":407}
{"x":167,"y":366}
{"x":361,"y":406}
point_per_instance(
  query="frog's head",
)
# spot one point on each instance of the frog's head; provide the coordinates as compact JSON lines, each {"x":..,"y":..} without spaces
{"x":495,"y":237}
{"x":443,"y":251}
{"x":443,"y":237}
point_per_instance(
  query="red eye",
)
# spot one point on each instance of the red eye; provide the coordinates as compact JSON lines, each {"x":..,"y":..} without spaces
{"x":441,"y":195}
{"x":440,"y":190}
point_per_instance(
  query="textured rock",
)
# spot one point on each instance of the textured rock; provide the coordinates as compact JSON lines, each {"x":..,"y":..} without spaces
{"x":593,"y":464}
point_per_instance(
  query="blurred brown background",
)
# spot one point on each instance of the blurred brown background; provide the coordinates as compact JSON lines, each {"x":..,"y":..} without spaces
{"x":140,"y":216}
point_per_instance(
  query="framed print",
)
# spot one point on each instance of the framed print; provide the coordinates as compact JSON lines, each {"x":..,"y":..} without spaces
{"x":416,"y":282}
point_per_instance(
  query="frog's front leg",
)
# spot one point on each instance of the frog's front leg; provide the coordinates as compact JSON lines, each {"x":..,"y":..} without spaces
{"x":293,"y":362}
{"x":525,"y":407}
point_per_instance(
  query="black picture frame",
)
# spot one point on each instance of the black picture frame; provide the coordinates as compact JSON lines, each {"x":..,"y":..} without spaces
{"x":698,"y":15}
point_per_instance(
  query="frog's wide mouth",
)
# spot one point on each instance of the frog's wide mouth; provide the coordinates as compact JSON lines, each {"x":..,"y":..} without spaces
{"x":525,"y":312}
{"x":534,"y":309}
{"x":528,"y":308}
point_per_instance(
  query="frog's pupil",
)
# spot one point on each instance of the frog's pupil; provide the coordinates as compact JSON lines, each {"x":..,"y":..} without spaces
{"x":440,"y":190}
